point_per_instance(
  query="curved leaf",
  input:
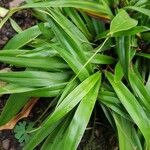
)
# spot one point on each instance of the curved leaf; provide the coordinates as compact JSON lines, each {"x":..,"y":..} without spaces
{"x":122,"y":22}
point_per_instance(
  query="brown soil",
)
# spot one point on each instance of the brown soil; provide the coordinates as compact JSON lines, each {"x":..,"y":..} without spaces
{"x":23,"y":18}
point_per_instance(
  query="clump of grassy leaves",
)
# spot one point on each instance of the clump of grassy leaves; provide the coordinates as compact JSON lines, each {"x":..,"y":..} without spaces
{"x":82,"y":51}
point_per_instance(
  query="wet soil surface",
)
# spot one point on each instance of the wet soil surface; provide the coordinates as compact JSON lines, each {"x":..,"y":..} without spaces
{"x":99,"y":134}
{"x":5,"y":3}
{"x":23,"y":18}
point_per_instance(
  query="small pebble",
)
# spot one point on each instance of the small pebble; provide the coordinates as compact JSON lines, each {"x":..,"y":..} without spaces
{"x":12,"y":148}
{"x":15,"y":3}
{"x":6,"y":144}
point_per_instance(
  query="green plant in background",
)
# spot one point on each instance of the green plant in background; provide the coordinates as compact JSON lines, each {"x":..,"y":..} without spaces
{"x":82,"y":52}
{"x":22,"y":131}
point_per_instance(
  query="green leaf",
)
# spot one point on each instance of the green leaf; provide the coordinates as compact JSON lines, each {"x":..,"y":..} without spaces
{"x":68,"y":53}
{"x":100,"y":58}
{"x":141,"y":2}
{"x":8,"y":15}
{"x":131,"y":104}
{"x":118,"y":72}
{"x":21,"y":131}
{"x":80,"y":120}
{"x":77,"y":36}
{"x":49,"y":91}
{"x":108,"y":115}
{"x":111,"y":100}
{"x":54,"y":140}
{"x":148,"y":84}
{"x":76,"y":18}
{"x":20,"y":58}
{"x":140,"y":89}
{"x":65,"y":107}
{"x":45,"y":31}
{"x":77,"y":42}
{"x":34,"y":78}
{"x":146,"y":55}
{"x":13,"y":105}
{"x":128,"y":137}
{"x":122,"y":22}
{"x":3,"y":12}
{"x":133,"y":31}
{"x":15,"y":26}
{"x":69,"y":87}
{"x":139,"y":9}
{"x":124,"y":50}
{"x":88,"y":6}
{"x":23,"y":38}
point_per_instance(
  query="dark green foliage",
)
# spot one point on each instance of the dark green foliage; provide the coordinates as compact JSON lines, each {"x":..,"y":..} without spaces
{"x":82,"y":51}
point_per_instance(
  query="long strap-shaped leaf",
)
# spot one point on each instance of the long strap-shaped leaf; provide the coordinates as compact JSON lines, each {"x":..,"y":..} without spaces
{"x":140,"y":90}
{"x":112,"y":102}
{"x":123,"y":50}
{"x":13,"y":105}
{"x":139,"y":9}
{"x":73,"y":31}
{"x":88,"y":6}
{"x":49,"y":91}
{"x":76,"y":18}
{"x":54,"y":140}
{"x":72,"y":61}
{"x":73,"y":132}
{"x":65,"y":106}
{"x":128,"y":137}
{"x":80,"y":120}
{"x":44,"y":59}
{"x":34,"y":78}
{"x":23,"y":38}
{"x":16,"y":58}
{"x":70,"y":39}
{"x":132,"y":106}
{"x":144,"y":55}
